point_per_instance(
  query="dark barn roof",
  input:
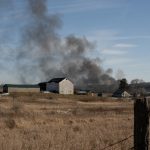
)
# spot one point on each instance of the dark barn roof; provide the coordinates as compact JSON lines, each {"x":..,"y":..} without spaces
{"x":42,"y":83}
{"x":21,"y":85}
{"x":119,"y":93}
{"x":56,"y":80}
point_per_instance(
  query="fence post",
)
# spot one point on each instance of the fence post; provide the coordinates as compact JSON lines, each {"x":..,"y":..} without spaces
{"x":141,"y":124}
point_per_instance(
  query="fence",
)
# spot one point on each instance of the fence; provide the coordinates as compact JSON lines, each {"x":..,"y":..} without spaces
{"x":141,"y":126}
{"x":118,"y":142}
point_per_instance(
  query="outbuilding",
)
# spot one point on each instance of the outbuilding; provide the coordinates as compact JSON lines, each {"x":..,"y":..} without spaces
{"x":121,"y":93}
{"x":11,"y":88}
{"x":58,"y":85}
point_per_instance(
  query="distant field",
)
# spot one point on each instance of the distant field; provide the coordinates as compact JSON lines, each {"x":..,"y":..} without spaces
{"x":36,"y":121}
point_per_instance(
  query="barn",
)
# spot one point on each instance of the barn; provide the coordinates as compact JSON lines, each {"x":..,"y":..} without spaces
{"x":121,"y":93}
{"x":11,"y":88}
{"x":58,"y":85}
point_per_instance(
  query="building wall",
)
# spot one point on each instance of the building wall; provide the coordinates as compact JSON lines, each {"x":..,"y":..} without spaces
{"x":92,"y":94}
{"x":53,"y":87}
{"x":15,"y":89}
{"x":106,"y":95}
{"x":42,"y":87}
{"x":1,"y":89}
{"x":125,"y":94}
{"x":66,"y":87}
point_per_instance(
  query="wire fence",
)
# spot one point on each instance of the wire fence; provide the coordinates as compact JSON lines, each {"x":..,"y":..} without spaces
{"x":118,"y":142}
{"x":141,"y":126}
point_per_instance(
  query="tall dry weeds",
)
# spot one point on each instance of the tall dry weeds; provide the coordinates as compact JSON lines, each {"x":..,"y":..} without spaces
{"x":29,"y":125}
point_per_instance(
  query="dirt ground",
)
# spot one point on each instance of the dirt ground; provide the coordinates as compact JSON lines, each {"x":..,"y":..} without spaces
{"x":36,"y":121}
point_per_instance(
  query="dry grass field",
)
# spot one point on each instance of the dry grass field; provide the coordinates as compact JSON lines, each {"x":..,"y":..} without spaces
{"x":53,"y":122}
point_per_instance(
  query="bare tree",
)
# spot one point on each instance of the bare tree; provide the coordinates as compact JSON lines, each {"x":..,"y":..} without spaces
{"x":120,"y":74}
{"x":137,"y":81}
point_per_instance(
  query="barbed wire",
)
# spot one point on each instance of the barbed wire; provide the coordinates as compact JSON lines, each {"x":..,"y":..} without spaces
{"x":118,"y":142}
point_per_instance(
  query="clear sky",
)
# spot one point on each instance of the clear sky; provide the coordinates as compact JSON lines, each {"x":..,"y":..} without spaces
{"x":120,"y":29}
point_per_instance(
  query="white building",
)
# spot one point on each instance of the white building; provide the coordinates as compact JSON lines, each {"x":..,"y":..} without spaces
{"x":60,"y":85}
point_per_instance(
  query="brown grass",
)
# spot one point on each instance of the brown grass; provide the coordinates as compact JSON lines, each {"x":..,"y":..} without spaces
{"x":36,"y":121}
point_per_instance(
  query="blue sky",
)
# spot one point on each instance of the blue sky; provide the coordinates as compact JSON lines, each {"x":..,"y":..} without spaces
{"x":120,"y":29}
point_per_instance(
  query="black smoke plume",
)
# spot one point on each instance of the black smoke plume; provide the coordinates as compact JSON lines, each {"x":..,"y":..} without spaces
{"x":43,"y":54}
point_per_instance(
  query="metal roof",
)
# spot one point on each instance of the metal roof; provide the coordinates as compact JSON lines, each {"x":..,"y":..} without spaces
{"x":21,"y":85}
{"x":56,"y":80}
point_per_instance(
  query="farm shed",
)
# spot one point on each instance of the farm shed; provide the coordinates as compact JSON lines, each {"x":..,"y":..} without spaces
{"x":1,"y":88}
{"x":105,"y":94}
{"x":81,"y":92}
{"x":93,"y":94}
{"x":58,"y":85}
{"x":10,"y":88}
{"x":42,"y":86}
{"x":121,"y":93}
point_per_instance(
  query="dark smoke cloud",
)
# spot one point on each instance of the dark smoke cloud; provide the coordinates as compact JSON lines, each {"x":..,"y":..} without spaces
{"x":39,"y":42}
{"x":44,"y":55}
{"x":85,"y":71}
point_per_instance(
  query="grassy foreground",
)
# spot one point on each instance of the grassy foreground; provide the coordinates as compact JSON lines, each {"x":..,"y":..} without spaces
{"x":54,"y":122}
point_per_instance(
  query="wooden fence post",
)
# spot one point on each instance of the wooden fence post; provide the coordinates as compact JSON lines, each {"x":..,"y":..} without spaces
{"x":141,"y":124}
